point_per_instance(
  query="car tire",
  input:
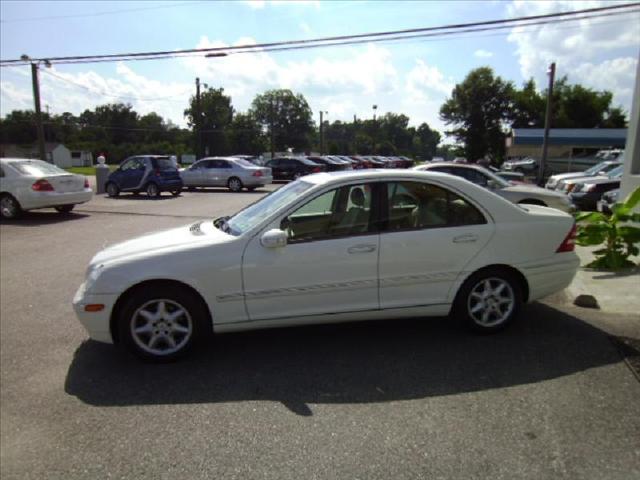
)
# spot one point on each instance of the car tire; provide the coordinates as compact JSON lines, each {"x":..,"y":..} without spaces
{"x":151,"y":326}
{"x":152,"y":190}
{"x":10,"y":208}
{"x":112,"y":190}
{"x":488,"y":300}
{"x":176,"y":193}
{"x":234,"y":184}
{"x":65,"y":208}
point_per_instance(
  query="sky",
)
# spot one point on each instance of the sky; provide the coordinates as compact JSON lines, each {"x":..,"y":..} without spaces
{"x":412,"y":77}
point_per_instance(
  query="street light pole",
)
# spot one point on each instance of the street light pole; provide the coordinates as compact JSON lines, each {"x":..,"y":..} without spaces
{"x":375,"y":128}
{"x":322,"y":132}
{"x":547,"y":123}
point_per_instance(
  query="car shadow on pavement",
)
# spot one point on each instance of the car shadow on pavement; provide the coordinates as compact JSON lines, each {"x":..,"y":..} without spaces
{"x":38,"y":218}
{"x":260,"y":190}
{"x":349,"y":363}
{"x":147,"y":198}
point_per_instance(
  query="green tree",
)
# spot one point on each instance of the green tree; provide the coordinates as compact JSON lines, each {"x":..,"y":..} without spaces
{"x":286,"y":115}
{"x":246,"y":135}
{"x":478,"y":110}
{"x":425,"y":142}
{"x":528,"y":107}
{"x":216,"y":114}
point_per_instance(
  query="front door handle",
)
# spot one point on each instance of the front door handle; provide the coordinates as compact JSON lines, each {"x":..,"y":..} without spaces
{"x":362,"y":249}
{"x":468,"y":238}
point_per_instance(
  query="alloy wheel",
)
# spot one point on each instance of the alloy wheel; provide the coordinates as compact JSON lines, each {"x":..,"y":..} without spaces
{"x":491,"y":302}
{"x":161,"y":327}
{"x":235,"y":185}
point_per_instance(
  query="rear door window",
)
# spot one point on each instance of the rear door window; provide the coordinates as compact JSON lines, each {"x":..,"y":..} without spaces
{"x":163,"y":163}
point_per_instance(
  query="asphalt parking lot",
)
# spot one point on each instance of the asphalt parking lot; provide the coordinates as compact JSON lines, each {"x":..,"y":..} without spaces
{"x":549,"y":398}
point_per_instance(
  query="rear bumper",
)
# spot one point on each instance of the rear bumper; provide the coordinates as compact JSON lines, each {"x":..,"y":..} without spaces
{"x":257,"y":181}
{"x":169,"y":185}
{"x":548,"y":277}
{"x":53,"y":199}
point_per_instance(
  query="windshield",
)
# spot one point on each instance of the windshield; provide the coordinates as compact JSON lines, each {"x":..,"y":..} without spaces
{"x":248,"y":218}
{"x":499,"y":180}
{"x":36,"y":168}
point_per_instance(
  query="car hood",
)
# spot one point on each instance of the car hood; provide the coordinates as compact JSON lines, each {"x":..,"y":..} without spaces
{"x":600,"y":180}
{"x":162,"y":242}
{"x":567,"y":176}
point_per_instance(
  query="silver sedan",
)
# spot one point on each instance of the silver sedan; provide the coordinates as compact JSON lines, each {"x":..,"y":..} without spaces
{"x":516,"y":193}
{"x":230,"y":172}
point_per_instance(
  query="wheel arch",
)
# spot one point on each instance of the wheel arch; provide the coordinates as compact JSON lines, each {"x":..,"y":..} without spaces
{"x":532,"y":201}
{"x":522,"y":280}
{"x":122,"y":299}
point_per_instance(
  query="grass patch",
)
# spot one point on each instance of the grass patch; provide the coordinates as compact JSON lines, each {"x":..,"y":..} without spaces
{"x":88,"y":170}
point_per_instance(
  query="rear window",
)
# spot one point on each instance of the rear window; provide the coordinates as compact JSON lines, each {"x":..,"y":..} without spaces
{"x":36,"y":168}
{"x":163,"y":163}
{"x":244,"y":163}
{"x":306,"y":161}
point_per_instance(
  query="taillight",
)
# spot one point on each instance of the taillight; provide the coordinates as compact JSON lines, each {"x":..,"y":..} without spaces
{"x":316,"y":170}
{"x":42,"y":185}
{"x":86,"y":182}
{"x":569,"y":243}
{"x":157,"y":172}
{"x":257,"y":173}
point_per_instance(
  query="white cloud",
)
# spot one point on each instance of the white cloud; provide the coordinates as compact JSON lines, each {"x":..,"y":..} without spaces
{"x":587,"y":51}
{"x":260,"y":4}
{"x":483,"y":53}
{"x":304,"y":26}
{"x":423,"y":81}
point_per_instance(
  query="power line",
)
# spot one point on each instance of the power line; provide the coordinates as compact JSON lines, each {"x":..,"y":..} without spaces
{"x":336,"y":40}
{"x":79,"y":85}
{"x":96,"y":14}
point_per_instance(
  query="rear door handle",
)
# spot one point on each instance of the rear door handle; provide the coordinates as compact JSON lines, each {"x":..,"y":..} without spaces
{"x":362,"y":249}
{"x":468,"y":238}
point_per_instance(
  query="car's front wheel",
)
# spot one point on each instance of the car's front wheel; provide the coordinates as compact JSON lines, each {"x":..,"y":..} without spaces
{"x":489,"y":300}
{"x":9,"y":207}
{"x":65,"y":208}
{"x":162,"y":323}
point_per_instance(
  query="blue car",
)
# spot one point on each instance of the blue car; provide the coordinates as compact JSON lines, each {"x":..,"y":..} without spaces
{"x":152,"y":174}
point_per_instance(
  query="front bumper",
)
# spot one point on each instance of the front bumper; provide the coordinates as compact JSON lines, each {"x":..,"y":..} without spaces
{"x":97,"y":324}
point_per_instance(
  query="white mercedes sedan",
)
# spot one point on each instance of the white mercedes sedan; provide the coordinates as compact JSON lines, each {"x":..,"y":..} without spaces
{"x":330,"y":247}
{"x":27,"y":184}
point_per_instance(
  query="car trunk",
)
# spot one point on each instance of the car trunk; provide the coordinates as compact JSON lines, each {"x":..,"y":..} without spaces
{"x":66,"y":183}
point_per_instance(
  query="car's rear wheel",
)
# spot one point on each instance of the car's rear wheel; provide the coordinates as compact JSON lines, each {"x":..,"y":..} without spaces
{"x":112,"y":189}
{"x":488,"y":300}
{"x":9,"y":207}
{"x":152,"y":190}
{"x":64,"y":208}
{"x":176,"y":193}
{"x":163,"y":323}
{"x":234,"y":184}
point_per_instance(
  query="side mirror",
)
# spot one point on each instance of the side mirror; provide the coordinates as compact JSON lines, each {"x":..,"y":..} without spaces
{"x":274,"y":238}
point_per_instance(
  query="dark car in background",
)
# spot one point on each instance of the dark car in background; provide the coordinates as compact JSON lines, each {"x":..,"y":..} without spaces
{"x":608,"y":200}
{"x":585,"y":194}
{"x":291,"y":168}
{"x":152,"y":174}
{"x":332,"y":164}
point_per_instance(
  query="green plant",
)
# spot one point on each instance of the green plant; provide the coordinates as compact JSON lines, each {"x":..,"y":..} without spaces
{"x":619,"y":237}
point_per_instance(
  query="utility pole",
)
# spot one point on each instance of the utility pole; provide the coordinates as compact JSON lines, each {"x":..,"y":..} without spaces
{"x":547,"y":123}
{"x":198,"y":121}
{"x":36,"y":99}
{"x":321,"y":133}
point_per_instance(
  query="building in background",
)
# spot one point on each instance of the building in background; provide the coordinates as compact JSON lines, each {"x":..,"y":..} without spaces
{"x":56,"y":153}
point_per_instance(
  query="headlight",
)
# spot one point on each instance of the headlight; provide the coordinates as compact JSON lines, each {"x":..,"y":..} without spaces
{"x":589,"y":188}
